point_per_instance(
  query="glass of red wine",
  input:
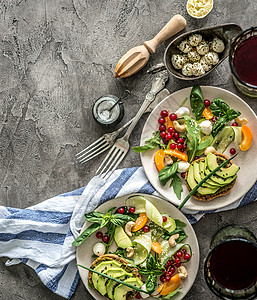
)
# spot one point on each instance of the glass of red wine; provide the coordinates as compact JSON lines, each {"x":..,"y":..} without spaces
{"x":243,"y":61}
{"x":230,"y":268}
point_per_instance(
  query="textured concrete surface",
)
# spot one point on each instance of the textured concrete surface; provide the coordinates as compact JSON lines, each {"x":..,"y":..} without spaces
{"x":56,"y":58}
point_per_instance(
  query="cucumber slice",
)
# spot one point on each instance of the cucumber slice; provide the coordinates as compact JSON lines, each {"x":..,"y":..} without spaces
{"x":168,"y":251}
{"x":170,"y":224}
{"x":138,"y":202}
{"x":153,"y":213}
{"x":223,"y":139}
{"x":144,"y":240}
{"x":140,"y":254}
{"x":238,"y":136}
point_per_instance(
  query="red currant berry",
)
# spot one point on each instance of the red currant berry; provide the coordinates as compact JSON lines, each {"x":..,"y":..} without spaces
{"x":168,"y":136}
{"x":120,"y":210}
{"x":167,"y":278}
{"x":105,"y":238}
{"x":170,"y":130}
{"x":161,"y":120}
{"x":162,"y":278}
{"x":180,"y":140}
{"x":169,"y":273}
{"x":99,"y":235}
{"x":178,"y":265}
{"x":163,"y":134}
{"x":162,"y":128}
{"x":138,"y":296}
{"x":176,"y":135}
{"x":184,"y":251}
{"x":184,"y":146}
{"x":173,"y":117}
{"x":187,"y":256}
{"x":179,"y":146}
{"x":177,"y":260}
{"x":207,"y":103}
{"x":232,"y":151}
{"x":214,"y":119}
{"x":183,"y":174}
{"x":234,"y":124}
{"x":165,"y":141}
{"x":172,"y":146}
{"x":164,"y":113}
{"x":164,"y":219}
{"x":179,"y":254}
{"x":172,"y":270}
{"x":146,"y":228}
{"x":182,"y":150}
{"x":132,"y":209}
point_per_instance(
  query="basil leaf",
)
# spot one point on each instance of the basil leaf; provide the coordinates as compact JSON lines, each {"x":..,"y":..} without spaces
{"x":157,"y":272}
{"x":197,"y":102}
{"x":151,"y":143}
{"x":177,"y":186}
{"x":218,"y":107}
{"x":143,"y":271}
{"x":85,"y":234}
{"x":104,"y":222}
{"x":193,"y":135}
{"x":121,"y":217}
{"x":118,"y":222}
{"x":151,"y":283}
{"x":204,"y":144}
{"x":179,"y":224}
{"x":94,"y":217}
{"x":219,"y":125}
{"x":150,"y":262}
{"x":233,"y":114}
{"x":110,"y":210}
{"x":167,"y":173}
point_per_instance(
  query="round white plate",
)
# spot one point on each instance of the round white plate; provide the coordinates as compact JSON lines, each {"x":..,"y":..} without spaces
{"x":84,"y":251}
{"x":247,"y":160}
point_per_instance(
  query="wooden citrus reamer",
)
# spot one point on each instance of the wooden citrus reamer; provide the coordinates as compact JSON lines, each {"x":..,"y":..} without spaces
{"x":136,"y":58}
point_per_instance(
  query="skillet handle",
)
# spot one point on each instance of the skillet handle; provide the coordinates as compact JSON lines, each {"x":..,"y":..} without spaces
{"x":175,"y":24}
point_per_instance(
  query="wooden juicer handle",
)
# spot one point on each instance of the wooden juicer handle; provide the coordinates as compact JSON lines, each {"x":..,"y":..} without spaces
{"x":175,"y":24}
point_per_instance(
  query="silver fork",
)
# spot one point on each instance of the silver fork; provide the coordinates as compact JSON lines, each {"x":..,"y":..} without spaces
{"x":108,"y":139}
{"x":121,"y":146}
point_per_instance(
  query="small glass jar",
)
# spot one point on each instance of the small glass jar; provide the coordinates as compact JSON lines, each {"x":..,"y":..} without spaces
{"x":243,"y":61}
{"x":230,"y":269}
{"x":104,"y":115}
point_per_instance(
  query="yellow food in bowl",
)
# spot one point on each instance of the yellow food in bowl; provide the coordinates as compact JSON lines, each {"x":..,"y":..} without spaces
{"x":199,"y":8}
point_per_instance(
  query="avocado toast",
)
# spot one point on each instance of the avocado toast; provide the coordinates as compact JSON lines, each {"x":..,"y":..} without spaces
{"x":117,"y":267}
{"x":219,"y":184}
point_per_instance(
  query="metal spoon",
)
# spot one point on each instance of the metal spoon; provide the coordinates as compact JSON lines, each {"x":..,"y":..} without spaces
{"x":226,"y":33}
{"x":122,"y":97}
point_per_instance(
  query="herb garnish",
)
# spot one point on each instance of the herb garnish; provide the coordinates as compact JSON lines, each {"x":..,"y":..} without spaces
{"x":150,"y":144}
{"x":197,"y":102}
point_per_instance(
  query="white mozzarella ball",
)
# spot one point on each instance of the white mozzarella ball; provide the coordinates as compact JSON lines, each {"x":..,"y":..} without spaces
{"x":202,"y":48}
{"x":183,"y":166}
{"x":195,"y":39}
{"x":182,"y":111}
{"x":99,"y":249}
{"x":217,"y":45}
{"x":178,"y":61}
{"x":211,"y":58}
{"x":206,"y":127}
{"x":198,"y":69}
{"x":193,"y":56}
{"x":204,"y":64}
{"x":184,"y":46}
{"x":187,"y":69}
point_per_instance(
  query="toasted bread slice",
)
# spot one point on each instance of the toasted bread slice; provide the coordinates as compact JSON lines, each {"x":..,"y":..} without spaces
{"x":124,"y":265}
{"x":222,"y":190}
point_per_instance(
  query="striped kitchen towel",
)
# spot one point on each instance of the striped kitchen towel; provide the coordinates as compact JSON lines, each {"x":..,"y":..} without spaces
{"x":41,"y":236}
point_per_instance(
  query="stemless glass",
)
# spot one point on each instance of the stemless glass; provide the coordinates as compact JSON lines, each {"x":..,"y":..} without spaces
{"x":230,"y":268}
{"x":243,"y":61}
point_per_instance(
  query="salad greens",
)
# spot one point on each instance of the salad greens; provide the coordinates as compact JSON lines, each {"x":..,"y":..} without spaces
{"x":150,"y":144}
{"x":197,"y":102}
{"x":220,"y":109}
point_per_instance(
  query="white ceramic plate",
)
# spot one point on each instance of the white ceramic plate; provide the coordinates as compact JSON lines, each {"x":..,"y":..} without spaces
{"x":84,"y":251}
{"x":247,"y":160}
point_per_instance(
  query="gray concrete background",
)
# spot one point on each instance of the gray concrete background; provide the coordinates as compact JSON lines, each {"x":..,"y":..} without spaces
{"x":56,"y":58}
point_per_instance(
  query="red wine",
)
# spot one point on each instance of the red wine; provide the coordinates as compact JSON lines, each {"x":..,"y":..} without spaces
{"x":245,"y":61}
{"x":233,"y":264}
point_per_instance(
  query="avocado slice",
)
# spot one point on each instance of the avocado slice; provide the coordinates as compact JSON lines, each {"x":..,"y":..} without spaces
{"x":121,"y":290}
{"x":211,"y":160}
{"x":102,"y":281}
{"x":103,"y":266}
{"x":111,"y":284}
{"x":190,"y":177}
{"x":121,"y":238}
{"x":209,"y":182}
{"x":223,"y":181}
{"x":207,"y":191}
{"x":223,"y":139}
{"x":197,"y":172}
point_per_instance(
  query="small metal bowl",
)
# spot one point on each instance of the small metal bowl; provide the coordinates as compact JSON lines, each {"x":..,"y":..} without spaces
{"x":226,"y":33}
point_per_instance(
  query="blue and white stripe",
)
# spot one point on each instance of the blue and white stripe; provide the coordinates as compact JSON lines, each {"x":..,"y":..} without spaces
{"x":41,"y":236}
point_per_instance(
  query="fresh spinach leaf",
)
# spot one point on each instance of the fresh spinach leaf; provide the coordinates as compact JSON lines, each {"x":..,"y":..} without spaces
{"x":167,"y":173}
{"x":151,"y":143}
{"x":197,"y":102}
{"x":218,"y":107}
{"x":177,"y":186}
{"x":179,"y":224}
{"x":150,"y":262}
{"x":193,"y":135}
{"x":85,"y":234}
{"x":218,"y":125}
{"x":233,"y":114}
{"x":151,"y":283}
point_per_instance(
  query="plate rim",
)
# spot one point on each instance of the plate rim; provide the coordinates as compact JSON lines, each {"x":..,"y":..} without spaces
{"x":196,"y":252}
{"x":203,"y":205}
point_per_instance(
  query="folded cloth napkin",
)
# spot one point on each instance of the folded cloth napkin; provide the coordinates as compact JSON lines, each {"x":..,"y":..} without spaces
{"x":40,"y":236}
